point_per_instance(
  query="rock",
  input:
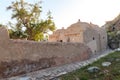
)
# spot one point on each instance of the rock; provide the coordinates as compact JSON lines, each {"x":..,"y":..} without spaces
{"x":55,"y":79}
{"x":106,"y":71}
{"x":111,"y":59}
{"x":25,"y":78}
{"x":106,"y":64}
{"x":62,"y":73}
{"x":117,"y":59}
{"x":118,"y":49}
{"x":93,"y":69}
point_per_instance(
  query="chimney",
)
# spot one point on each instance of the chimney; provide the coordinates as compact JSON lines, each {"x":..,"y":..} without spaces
{"x":78,"y":20}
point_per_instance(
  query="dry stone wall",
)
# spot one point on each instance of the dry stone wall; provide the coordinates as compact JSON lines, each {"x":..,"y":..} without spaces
{"x":22,"y":56}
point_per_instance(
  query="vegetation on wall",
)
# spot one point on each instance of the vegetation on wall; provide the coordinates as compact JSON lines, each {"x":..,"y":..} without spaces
{"x":113,"y":31}
{"x":28,"y":23}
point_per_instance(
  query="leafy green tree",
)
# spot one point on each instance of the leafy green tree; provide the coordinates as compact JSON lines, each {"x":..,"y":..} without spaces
{"x":27,"y":15}
{"x":16,"y":32}
{"x":113,"y":39}
{"x":1,"y":25}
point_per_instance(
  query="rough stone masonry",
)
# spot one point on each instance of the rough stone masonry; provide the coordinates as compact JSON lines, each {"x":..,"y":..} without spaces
{"x":21,"y":56}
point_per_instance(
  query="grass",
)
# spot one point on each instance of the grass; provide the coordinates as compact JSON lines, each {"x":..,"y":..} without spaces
{"x":111,"y":72}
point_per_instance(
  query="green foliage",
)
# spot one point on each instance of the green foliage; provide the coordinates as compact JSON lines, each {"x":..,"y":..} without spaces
{"x":111,"y":72}
{"x":1,"y":25}
{"x":113,"y":39}
{"x":83,"y":78}
{"x":38,"y":37}
{"x":17,"y":33}
{"x":113,"y":32}
{"x":28,"y":15}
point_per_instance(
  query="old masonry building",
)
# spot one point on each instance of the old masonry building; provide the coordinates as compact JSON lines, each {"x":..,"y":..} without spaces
{"x":89,"y":34}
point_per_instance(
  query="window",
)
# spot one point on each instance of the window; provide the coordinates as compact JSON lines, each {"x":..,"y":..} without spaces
{"x":113,"y":28}
{"x":93,"y":38}
{"x":61,"y":40}
{"x":95,"y":51}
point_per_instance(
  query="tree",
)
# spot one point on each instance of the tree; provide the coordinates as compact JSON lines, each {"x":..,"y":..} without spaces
{"x":16,"y":33}
{"x":28,"y":15}
{"x":0,"y":25}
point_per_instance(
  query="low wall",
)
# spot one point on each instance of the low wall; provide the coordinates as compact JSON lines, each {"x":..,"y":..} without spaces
{"x":21,"y":56}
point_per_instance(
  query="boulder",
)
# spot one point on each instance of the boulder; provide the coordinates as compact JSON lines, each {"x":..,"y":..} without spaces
{"x":106,"y":64}
{"x":93,"y":69}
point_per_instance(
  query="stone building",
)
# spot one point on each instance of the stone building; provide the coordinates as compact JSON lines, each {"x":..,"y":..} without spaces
{"x":113,"y":25}
{"x":90,"y":34}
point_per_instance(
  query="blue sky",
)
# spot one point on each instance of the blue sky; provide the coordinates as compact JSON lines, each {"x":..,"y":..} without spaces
{"x":66,"y":12}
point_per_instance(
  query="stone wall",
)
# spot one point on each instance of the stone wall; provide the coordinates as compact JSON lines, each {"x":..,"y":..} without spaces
{"x":82,"y":32}
{"x":22,"y":56}
{"x":55,"y":72}
{"x":91,"y":38}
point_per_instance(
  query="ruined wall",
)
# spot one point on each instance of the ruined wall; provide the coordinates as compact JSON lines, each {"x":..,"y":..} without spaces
{"x":91,"y":38}
{"x":64,"y":52}
{"x":103,"y":39}
{"x":21,"y":56}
